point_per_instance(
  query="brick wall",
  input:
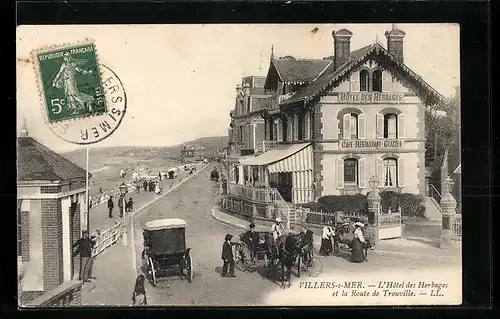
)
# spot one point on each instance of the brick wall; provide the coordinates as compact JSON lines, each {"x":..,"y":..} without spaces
{"x":52,"y":243}
{"x":50,"y":189}
{"x":25,"y":236}
{"x":67,"y":294}
{"x":317,"y":116}
{"x":75,"y":235}
{"x":27,"y":296}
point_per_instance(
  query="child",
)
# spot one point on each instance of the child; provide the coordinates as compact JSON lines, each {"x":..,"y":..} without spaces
{"x":139,"y":296}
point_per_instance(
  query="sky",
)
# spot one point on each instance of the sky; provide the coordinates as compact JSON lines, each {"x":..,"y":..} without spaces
{"x":180,"y":79}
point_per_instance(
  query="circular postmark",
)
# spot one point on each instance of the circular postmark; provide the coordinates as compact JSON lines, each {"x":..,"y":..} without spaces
{"x":93,"y":129}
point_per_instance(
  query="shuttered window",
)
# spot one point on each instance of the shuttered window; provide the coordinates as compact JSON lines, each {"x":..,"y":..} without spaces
{"x":363,"y":80}
{"x":350,"y":127}
{"x":351,"y":171}
{"x":377,"y":81}
{"x":390,"y":172}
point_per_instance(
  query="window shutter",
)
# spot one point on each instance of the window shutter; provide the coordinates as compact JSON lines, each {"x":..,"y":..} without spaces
{"x":362,"y":173}
{"x":401,"y":172}
{"x":380,"y":125}
{"x":355,"y":82}
{"x":346,"y":128}
{"x":361,"y":127}
{"x":401,"y":126}
{"x":340,"y":173}
{"x":386,"y":82}
{"x":380,"y":171}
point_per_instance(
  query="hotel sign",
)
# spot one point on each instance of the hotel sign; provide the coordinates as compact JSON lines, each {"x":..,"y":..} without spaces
{"x":370,"y":97}
{"x":371,"y":143}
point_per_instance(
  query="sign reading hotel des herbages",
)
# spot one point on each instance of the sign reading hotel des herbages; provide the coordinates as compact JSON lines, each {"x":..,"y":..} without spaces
{"x":371,"y":144}
{"x":370,"y":97}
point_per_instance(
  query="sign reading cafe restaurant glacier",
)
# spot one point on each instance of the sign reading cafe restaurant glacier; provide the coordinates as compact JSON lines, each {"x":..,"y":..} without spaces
{"x":371,"y":144}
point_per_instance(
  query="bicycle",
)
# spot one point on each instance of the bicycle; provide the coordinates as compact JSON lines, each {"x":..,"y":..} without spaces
{"x":308,"y":263}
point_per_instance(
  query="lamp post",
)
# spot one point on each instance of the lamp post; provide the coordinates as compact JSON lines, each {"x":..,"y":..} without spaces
{"x":123,"y":191}
{"x":448,"y":205}
{"x":373,"y":208}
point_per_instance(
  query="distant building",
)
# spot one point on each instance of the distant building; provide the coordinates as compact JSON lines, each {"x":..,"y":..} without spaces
{"x":51,"y":215}
{"x":193,"y":153}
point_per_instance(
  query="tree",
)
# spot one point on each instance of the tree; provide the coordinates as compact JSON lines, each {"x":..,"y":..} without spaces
{"x":442,"y":131}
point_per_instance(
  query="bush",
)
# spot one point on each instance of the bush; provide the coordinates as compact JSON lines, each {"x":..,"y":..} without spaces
{"x":349,"y":204}
{"x":411,"y":205}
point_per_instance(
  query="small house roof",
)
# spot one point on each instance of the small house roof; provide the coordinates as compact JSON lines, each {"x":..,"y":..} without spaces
{"x":36,"y":162}
{"x":300,"y":71}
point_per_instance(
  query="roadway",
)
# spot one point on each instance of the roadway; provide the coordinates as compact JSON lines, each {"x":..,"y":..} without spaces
{"x":192,"y":202}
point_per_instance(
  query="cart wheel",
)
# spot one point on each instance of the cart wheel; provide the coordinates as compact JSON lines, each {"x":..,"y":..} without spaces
{"x":240,"y":257}
{"x":153,"y":272}
{"x":190,"y":267}
{"x":314,"y":268}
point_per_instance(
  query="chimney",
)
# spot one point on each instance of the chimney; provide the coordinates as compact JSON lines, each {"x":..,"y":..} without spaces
{"x":342,"y":47}
{"x":395,"y":42}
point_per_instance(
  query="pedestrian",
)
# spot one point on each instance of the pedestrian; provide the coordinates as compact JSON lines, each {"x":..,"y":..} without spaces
{"x":307,"y":238}
{"x":326,"y":239}
{"x":84,"y":248}
{"x":357,"y":247}
{"x":228,"y":257}
{"x":253,"y":239}
{"x":111,"y":205}
{"x":130,"y":204}
{"x":139,"y":296}
{"x":145,"y":185}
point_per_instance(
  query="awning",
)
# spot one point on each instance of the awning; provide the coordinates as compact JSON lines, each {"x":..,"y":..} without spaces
{"x":285,"y":158}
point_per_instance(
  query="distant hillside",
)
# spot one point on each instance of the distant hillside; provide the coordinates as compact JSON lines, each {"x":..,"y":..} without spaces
{"x":99,"y":155}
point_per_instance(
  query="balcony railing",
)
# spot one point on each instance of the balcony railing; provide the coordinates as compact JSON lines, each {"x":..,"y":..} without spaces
{"x":267,"y":145}
{"x":260,"y":195}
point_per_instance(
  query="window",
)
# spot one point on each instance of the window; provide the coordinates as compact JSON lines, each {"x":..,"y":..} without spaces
{"x":363,"y":81}
{"x":377,"y":81}
{"x":389,"y":173}
{"x":295,"y":124}
{"x":242,"y":134}
{"x":249,"y":104}
{"x":351,"y":171}
{"x":350,"y":129}
{"x":390,"y":126}
{"x":307,"y":125}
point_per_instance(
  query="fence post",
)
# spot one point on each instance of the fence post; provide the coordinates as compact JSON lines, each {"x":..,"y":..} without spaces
{"x":448,"y":204}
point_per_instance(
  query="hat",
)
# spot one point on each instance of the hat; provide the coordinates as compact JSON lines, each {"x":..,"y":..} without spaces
{"x":359,"y":224}
{"x":85,"y":232}
{"x":252,"y":225}
{"x":330,"y":222}
{"x":278,"y":220}
{"x":228,"y":237}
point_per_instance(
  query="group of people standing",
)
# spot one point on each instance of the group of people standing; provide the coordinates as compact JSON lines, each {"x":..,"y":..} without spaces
{"x":149,"y":186}
{"x":330,"y":241}
{"x":129,"y":206}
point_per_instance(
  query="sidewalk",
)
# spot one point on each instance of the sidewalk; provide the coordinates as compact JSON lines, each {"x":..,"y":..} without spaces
{"x":99,"y":215}
{"x":115,"y":268}
{"x":411,"y":247}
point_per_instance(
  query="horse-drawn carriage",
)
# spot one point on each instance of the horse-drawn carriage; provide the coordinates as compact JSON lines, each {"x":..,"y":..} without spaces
{"x":165,"y":249}
{"x":214,"y":175}
{"x":287,"y":251}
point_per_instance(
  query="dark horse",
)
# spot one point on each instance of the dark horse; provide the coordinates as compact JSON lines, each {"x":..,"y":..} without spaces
{"x":344,"y":234}
{"x":284,"y":252}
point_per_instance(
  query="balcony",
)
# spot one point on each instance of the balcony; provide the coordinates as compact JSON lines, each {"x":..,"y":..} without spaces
{"x":259,"y":195}
{"x":268,"y":145}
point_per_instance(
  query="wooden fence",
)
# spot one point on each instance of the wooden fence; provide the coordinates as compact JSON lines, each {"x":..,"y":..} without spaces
{"x":106,"y":239}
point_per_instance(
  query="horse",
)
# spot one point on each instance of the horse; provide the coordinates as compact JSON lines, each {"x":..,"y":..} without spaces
{"x":289,"y":247}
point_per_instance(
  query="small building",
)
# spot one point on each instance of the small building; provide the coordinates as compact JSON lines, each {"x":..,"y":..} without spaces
{"x":51,"y":215}
{"x":193,"y":153}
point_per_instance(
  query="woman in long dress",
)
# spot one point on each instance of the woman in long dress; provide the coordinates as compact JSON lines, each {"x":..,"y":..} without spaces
{"x":357,"y":247}
{"x":326,"y":239}
{"x":76,"y":100}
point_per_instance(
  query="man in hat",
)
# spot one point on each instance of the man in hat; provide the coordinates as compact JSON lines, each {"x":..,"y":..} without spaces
{"x":253,"y":239}
{"x":307,"y":241}
{"x":85,"y":245}
{"x":277,"y":228}
{"x":111,"y":205}
{"x":228,"y":257}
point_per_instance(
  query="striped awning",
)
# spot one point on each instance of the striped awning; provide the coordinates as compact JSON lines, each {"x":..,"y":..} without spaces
{"x":285,"y":158}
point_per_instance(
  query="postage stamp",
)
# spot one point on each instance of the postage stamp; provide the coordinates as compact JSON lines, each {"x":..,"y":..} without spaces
{"x":70,"y":81}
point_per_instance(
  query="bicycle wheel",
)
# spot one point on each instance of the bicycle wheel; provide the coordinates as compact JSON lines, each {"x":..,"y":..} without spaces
{"x":313,"y":267}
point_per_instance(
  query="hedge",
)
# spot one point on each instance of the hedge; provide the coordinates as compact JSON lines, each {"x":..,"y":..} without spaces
{"x":411,"y":205}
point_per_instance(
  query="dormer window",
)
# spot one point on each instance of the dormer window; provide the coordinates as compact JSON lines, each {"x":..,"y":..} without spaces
{"x":363,"y":81}
{"x":377,"y":81}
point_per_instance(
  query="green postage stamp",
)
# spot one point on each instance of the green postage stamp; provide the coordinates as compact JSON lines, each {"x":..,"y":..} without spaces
{"x":70,"y":81}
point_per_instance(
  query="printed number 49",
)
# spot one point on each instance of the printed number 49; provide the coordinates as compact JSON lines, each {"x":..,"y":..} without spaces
{"x":57,"y":105}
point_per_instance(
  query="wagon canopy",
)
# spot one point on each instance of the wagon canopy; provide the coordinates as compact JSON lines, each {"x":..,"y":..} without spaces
{"x":167,"y":223}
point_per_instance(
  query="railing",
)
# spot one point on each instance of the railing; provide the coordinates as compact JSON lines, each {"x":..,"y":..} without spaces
{"x":267,"y":145}
{"x":283,"y":208}
{"x":261,"y":195}
{"x":389,"y":219}
{"x":433,"y":193}
{"x":456,"y":227}
{"x":302,"y":195}
{"x":106,"y":239}
{"x":322,"y":217}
